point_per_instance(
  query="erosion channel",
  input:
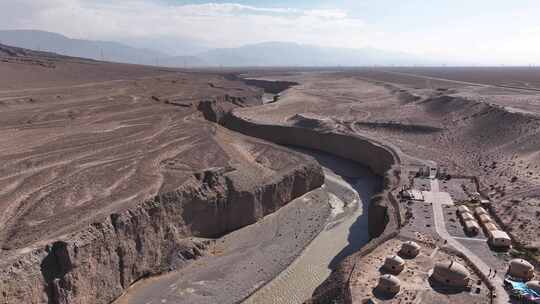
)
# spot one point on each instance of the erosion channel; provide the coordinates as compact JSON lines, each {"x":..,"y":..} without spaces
{"x":284,"y":257}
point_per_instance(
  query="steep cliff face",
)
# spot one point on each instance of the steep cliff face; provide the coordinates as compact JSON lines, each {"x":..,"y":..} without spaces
{"x":96,"y":265}
{"x":383,"y":213}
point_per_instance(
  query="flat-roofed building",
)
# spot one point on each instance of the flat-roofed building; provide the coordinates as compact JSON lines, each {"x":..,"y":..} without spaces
{"x":462,"y":209}
{"x":484,"y":218}
{"x":465,"y":216}
{"x":499,"y":238}
{"x":479,"y":211}
{"x":471,"y":227}
{"x":490,"y":226}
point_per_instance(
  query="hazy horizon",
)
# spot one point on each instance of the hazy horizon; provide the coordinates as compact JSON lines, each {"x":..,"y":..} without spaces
{"x":482,"y":33}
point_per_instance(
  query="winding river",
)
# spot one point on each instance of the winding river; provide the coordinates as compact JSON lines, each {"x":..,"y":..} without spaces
{"x":350,"y":186}
{"x":233,"y":275}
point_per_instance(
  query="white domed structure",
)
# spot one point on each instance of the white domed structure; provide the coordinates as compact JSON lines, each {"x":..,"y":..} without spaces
{"x":519,"y":268}
{"x":389,"y":284}
{"x":451,"y":274}
{"x":409,"y":249}
{"x":534,"y":285}
{"x":394,"y":264}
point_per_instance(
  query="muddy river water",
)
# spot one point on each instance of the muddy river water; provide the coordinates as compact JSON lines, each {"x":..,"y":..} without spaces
{"x":293,"y":250}
{"x":350,"y":187}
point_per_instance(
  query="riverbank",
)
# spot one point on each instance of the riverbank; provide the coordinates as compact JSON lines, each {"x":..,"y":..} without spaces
{"x":350,"y":187}
{"x":241,"y":261}
{"x":262,"y":256}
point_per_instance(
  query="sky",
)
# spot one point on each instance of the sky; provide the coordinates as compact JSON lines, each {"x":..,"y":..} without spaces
{"x":474,"y":31}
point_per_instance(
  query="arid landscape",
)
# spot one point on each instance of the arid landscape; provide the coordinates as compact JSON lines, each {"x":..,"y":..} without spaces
{"x":137,"y":184}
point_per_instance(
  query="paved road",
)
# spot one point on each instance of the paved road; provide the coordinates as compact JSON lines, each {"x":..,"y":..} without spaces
{"x":440,"y":227}
{"x":477,"y":84}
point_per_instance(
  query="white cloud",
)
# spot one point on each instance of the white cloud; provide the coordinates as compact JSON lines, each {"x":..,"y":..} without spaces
{"x":472,"y":39}
{"x":224,"y":24}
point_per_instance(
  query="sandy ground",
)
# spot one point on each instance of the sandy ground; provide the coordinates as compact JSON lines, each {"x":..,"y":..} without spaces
{"x":415,"y":284}
{"x":481,"y":129}
{"x":71,"y":154}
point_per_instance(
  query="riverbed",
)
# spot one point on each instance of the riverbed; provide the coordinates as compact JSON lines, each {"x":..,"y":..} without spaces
{"x":282,"y":258}
{"x":350,"y":186}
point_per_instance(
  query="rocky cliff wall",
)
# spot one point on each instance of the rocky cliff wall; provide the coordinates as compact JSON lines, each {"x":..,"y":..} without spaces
{"x":383,"y":214}
{"x":372,"y":155}
{"x":380,"y":159}
{"x":96,"y":265}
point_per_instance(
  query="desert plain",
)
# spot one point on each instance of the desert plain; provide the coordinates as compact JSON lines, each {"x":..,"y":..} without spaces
{"x":136,"y":184}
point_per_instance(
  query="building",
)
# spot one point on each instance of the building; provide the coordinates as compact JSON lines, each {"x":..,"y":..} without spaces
{"x":489,"y":226}
{"x":484,"y":218}
{"x":394,"y":264}
{"x":389,"y":284}
{"x":521,"y":269}
{"x":412,"y":194}
{"x":471,"y":227}
{"x":409,"y":249}
{"x":462,"y":209}
{"x":479,"y":211}
{"x":433,"y":172}
{"x":451,"y":274}
{"x":534,"y":285}
{"x":465,"y":216}
{"x":498,"y":238}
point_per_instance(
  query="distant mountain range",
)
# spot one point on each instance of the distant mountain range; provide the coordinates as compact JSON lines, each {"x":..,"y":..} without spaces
{"x":261,"y":54}
{"x":293,"y":54}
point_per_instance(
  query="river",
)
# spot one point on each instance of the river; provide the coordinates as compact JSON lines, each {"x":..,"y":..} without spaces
{"x":350,"y":186}
{"x":277,"y":250}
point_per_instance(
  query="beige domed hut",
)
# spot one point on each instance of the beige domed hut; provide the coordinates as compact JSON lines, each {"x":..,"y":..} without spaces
{"x":451,"y":274}
{"x":534,"y":285}
{"x":519,"y":268}
{"x":389,"y":284}
{"x":394,"y":264}
{"x":409,"y":249}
